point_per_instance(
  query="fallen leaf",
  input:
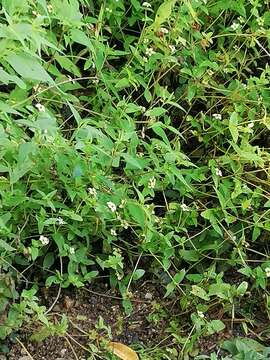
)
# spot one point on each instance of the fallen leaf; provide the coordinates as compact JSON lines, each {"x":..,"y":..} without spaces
{"x":122,"y":351}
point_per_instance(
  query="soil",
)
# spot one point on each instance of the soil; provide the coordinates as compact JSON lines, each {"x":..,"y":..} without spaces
{"x":88,"y":307}
{"x":83,"y":309}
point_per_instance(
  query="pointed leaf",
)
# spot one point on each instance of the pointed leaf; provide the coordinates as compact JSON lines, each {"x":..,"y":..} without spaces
{"x":28,"y":67}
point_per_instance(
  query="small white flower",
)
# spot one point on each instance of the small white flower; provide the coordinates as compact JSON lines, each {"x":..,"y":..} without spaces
{"x":241,"y":19}
{"x":50,"y":8}
{"x":145,"y":59}
{"x":90,"y":27}
{"x":217,"y":116}
{"x":218,"y":172}
{"x":44,"y":240}
{"x":72,"y":250}
{"x":172,"y":48}
{"x":111,"y":206}
{"x":244,"y":86}
{"x":124,"y":224}
{"x":149,"y":51}
{"x":40,"y":107}
{"x":36,"y":88}
{"x":164,"y":30}
{"x":152,"y":183}
{"x":146,"y":5}
{"x":108,"y":10}
{"x":260,"y":21}
{"x":45,"y":131}
{"x":60,"y":221}
{"x":267,"y":271}
{"x":184,"y":207}
{"x":92,"y":192}
{"x":122,"y":204}
{"x":251,"y":125}
{"x":143,"y":109}
{"x":235,"y":26}
{"x":200,"y":314}
{"x":113,"y":232}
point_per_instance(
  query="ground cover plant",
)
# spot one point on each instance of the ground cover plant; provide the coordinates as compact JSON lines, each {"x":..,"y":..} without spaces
{"x":134,"y":146}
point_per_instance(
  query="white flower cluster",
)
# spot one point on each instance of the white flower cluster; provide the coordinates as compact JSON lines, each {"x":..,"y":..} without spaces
{"x":50,"y":8}
{"x":172,"y":48}
{"x":152,"y":183}
{"x":217,"y":116}
{"x":44,"y":240}
{"x":149,"y":51}
{"x":164,"y":31}
{"x":111,"y":206}
{"x":72,"y":250}
{"x":60,"y":221}
{"x":92,"y":192}
{"x":146,"y":5}
{"x":40,"y":107}
{"x":260,"y":21}
{"x":235,"y":25}
{"x":200,"y":314}
{"x":184,"y":207}
{"x":267,"y":271}
{"x":218,"y":172}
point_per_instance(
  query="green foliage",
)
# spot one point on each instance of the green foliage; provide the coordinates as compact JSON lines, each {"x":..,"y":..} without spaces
{"x":134,"y":131}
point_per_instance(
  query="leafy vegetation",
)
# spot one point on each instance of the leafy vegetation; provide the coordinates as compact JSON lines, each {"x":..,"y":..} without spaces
{"x":134,"y":144}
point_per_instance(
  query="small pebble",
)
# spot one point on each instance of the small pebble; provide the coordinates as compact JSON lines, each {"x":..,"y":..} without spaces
{"x":148,"y":296}
{"x":63,"y":351}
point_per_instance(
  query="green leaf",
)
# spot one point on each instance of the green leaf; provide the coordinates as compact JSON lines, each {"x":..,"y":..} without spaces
{"x":190,"y":255}
{"x":68,"y":65}
{"x":48,"y":260}
{"x":138,"y":274}
{"x":80,"y":37}
{"x":233,"y":122}
{"x":34,"y":252}
{"x":71,"y":215}
{"x":137,"y":213}
{"x":242,"y":288}
{"x":133,"y":162}
{"x":199,"y":292}
{"x":163,"y":13}
{"x":7,"y":78}
{"x":28,"y":67}
{"x":4,"y":245}
{"x":215,"y":326}
{"x":90,"y":275}
{"x":156,"y":111}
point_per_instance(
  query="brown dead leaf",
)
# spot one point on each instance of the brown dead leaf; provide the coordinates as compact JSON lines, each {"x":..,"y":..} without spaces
{"x":122,"y":351}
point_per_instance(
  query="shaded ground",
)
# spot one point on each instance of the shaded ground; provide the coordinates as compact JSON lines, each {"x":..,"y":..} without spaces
{"x":96,"y":312}
{"x":83,"y":309}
